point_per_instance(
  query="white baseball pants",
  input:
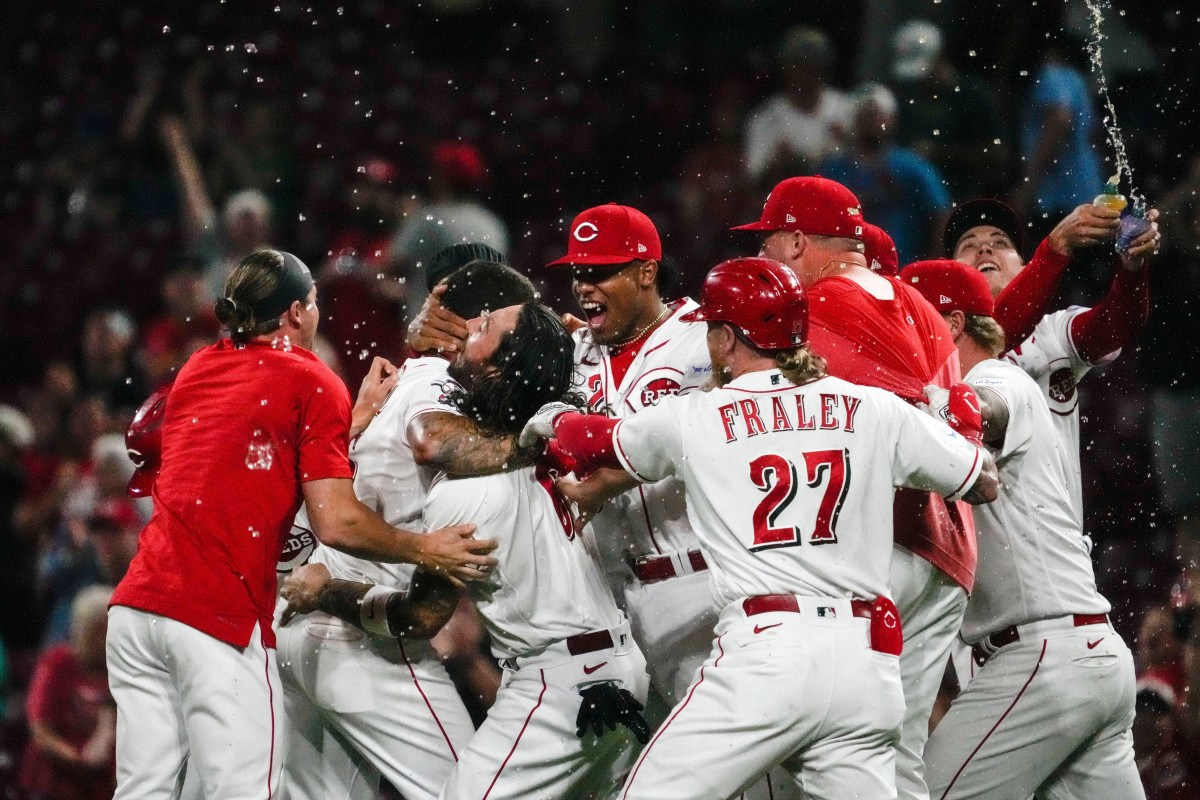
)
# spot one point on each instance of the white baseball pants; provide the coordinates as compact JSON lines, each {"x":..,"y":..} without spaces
{"x":359,"y":706}
{"x":184,"y":697}
{"x":527,"y":749}
{"x":931,"y":611}
{"x":802,"y":690}
{"x":1049,"y":715}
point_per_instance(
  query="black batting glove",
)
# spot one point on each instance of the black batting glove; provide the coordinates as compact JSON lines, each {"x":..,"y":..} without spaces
{"x":605,"y":705}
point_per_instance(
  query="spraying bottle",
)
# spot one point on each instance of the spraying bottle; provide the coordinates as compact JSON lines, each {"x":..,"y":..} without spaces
{"x":1133,"y":221}
{"x":1111,"y":197}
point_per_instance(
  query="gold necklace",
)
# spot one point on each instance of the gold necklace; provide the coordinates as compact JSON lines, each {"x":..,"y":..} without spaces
{"x":666,"y":310}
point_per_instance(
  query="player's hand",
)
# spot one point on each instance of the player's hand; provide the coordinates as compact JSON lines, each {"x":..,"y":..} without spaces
{"x":302,"y":589}
{"x":938,"y":401}
{"x":454,"y":553}
{"x":589,"y":495}
{"x":1138,"y":254}
{"x":378,"y":383}
{"x":541,"y":425}
{"x":605,"y":705}
{"x":572,"y":323}
{"x":436,"y":328}
{"x":965,"y":416}
{"x":1087,"y":225}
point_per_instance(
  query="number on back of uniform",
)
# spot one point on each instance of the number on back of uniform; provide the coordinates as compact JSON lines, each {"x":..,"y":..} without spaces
{"x":825,"y":470}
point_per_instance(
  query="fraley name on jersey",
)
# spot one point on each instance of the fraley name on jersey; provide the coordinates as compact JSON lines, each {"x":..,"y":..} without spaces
{"x":831,"y":412}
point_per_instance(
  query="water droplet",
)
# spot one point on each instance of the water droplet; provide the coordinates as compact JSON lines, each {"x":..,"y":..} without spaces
{"x":251,"y":47}
{"x":166,"y":28}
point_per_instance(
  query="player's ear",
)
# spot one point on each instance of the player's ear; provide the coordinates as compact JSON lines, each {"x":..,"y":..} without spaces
{"x":957,"y":321}
{"x":647,"y":274}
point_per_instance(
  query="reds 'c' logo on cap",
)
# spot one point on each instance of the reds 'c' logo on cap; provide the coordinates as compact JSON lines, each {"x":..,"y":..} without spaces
{"x":592,"y":232}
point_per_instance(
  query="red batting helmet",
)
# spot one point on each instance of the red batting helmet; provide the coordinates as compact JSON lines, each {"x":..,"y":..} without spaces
{"x":760,"y":297}
{"x":143,"y":442}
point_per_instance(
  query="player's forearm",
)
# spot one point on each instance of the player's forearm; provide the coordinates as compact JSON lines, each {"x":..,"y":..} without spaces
{"x":587,"y":438}
{"x":987,"y":485}
{"x":363,"y":534}
{"x":420,"y":614}
{"x":1116,"y":320}
{"x":1027,"y":298}
{"x":457,"y":445}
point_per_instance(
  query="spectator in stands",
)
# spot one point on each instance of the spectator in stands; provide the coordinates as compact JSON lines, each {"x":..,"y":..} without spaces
{"x":1060,"y":166}
{"x":107,"y":364}
{"x":72,"y":717}
{"x":362,"y":294}
{"x":1160,"y":654}
{"x":1165,"y":759}
{"x":805,"y":121}
{"x":186,"y":324}
{"x":18,"y":569}
{"x":454,"y":215}
{"x":947,"y":116}
{"x":900,"y":191}
{"x":218,"y":244}
{"x":1172,"y":371}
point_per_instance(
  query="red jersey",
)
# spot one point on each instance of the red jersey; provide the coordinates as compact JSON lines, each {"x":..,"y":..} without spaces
{"x":67,"y":700}
{"x":242,"y":429}
{"x":901,"y":345}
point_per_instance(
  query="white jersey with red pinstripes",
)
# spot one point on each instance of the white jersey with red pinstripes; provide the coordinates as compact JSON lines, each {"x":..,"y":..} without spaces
{"x":789,"y":488}
{"x":1034,"y":562}
{"x":386,"y":477}
{"x":1050,"y":358}
{"x":673,"y":360}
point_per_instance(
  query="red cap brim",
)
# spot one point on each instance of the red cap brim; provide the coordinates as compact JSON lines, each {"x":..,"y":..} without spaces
{"x":142,"y":482}
{"x":567,"y":260}
{"x":754,"y":226}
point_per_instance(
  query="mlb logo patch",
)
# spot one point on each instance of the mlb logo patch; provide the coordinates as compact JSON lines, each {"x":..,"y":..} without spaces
{"x":775,"y":379}
{"x":826,"y":611}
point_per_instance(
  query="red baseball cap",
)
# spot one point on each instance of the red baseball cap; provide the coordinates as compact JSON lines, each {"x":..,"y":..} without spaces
{"x":880,"y":250}
{"x":611,"y":234}
{"x":810,"y":204}
{"x":950,"y":286}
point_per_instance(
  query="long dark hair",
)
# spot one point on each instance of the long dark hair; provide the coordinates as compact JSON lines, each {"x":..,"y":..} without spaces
{"x":533,"y":365}
{"x":255,"y":278}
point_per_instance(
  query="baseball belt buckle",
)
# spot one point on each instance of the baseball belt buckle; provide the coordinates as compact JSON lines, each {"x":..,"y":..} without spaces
{"x":983,"y":650}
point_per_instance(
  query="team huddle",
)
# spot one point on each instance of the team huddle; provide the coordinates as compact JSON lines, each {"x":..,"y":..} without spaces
{"x":721,"y":548}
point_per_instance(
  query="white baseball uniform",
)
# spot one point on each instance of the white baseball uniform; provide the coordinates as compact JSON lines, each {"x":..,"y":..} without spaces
{"x":790,"y":491}
{"x":672,"y":619}
{"x":1050,"y":709}
{"x":1050,"y":358}
{"x":358,"y":704}
{"x":554,"y":627}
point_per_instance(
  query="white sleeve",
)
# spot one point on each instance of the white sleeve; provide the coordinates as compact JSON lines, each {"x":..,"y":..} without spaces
{"x":928,"y":454}
{"x":1018,"y":391}
{"x":454,"y":502}
{"x":649,"y":444}
{"x":430,"y":392}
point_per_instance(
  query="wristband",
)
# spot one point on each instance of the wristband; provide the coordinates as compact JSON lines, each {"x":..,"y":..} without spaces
{"x":372,"y":611}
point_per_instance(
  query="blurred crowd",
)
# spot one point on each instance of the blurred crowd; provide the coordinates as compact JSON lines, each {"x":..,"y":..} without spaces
{"x":146,"y":152}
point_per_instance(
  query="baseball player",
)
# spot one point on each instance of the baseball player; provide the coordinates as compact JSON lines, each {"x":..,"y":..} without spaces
{"x":361,"y":704}
{"x":570,"y":662}
{"x":251,"y":425}
{"x":875,"y":331}
{"x":1059,"y":348}
{"x":789,"y":476}
{"x":1050,"y":710}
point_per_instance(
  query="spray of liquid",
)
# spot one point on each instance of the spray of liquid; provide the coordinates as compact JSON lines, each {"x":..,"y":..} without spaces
{"x":1095,"y":53}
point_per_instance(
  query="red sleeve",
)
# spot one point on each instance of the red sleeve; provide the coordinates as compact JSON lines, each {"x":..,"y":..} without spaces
{"x":46,"y":690}
{"x":1027,"y":298}
{"x":1116,"y":320}
{"x":325,"y":428}
{"x":588,"y":439}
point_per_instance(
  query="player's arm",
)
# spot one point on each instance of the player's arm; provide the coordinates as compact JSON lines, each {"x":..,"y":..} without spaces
{"x":1119,"y":317}
{"x":340,"y":521}
{"x":590,"y":494}
{"x":436,"y":329}
{"x":953,"y":464}
{"x":419,"y":613}
{"x":455,"y":444}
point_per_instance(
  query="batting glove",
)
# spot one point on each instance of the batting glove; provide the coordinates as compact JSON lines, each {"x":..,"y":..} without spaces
{"x":606,"y":704}
{"x":938,"y":400}
{"x":964,"y":413}
{"x":541,"y":425}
